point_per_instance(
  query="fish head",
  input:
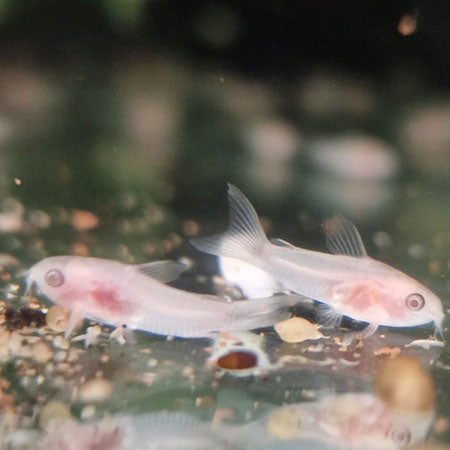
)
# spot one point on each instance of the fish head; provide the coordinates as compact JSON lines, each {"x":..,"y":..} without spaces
{"x":419,"y":304}
{"x":55,"y":277}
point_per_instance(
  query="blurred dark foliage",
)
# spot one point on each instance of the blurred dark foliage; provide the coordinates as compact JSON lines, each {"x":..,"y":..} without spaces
{"x":282,"y":37}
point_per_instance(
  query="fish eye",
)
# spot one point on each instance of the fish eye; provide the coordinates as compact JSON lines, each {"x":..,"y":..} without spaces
{"x":415,"y":302}
{"x":401,"y":436}
{"x":54,"y":278}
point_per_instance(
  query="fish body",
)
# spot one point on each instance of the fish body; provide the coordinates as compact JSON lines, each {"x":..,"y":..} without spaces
{"x":348,"y":281}
{"x":120,"y":294}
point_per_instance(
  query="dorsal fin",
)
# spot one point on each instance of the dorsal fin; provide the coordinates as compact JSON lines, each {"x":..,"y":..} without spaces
{"x":281,"y":243}
{"x":163,"y":271}
{"x":343,"y":238}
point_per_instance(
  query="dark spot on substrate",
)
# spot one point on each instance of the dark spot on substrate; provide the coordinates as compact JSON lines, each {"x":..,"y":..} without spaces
{"x":24,"y":317}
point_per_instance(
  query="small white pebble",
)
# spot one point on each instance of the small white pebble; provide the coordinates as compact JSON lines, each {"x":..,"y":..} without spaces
{"x":60,"y":342}
{"x":152,"y":363}
{"x":60,"y":356}
{"x":96,"y":390}
{"x":87,"y":412}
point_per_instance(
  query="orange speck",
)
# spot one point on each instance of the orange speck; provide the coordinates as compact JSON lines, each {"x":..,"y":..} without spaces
{"x":391,"y":351}
{"x":407,"y":25}
{"x":441,"y":425}
{"x":18,"y":181}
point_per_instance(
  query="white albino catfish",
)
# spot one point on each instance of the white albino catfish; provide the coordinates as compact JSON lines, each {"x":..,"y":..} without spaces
{"x":347,"y":282}
{"x":135,"y":295}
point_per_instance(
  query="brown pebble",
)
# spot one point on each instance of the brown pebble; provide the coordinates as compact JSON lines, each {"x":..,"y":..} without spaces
{"x":404,"y":385}
{"x":239,"y":360}
{"x":57,"y":318}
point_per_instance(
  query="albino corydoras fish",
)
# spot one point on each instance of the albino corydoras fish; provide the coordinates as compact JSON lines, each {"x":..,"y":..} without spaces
{"x":347,"y":282}
{"x":135,"y":295}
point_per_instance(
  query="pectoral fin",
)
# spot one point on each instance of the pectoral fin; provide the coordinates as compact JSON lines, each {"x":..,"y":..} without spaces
{"x":328,"y":316}
{"x":76,"y":317}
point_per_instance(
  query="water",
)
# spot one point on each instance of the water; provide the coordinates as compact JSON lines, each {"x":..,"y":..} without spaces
{"x":129,"y":161}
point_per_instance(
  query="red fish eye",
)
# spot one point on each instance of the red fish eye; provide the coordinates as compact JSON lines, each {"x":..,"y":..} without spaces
{"x":415,"y":302}
{"x":54,"y":278}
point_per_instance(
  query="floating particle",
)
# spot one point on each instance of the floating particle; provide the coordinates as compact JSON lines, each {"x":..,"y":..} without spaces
{"x":95,"y":390}
{"x":407,"y":24}
{"x":51,"y":411}
{"x":57,"y":318}
{"x":404,"y":385}
{"x":17,"y":181}
{"x":297,"y":329}
{"x":284,"y":423}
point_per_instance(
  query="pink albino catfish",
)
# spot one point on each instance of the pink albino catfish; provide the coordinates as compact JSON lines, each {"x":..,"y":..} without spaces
{"x":347,"y":282}
{"x":135,"y":295}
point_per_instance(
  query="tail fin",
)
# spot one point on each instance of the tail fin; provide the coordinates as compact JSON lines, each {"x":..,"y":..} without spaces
{"x":244,"y":237}
{"x":261,"y":312}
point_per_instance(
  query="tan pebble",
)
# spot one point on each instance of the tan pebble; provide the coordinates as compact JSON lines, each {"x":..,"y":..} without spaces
{"x":51,"y":411}
{"x":60,"y":342}
{"x":74,"y":355}
{"x":15,"y":343}
{"x":95,"y":390}
{"x":391,"y":351}
{"x":404,"y":385}
{"x":42,"y":352}
{"x":284,"y":423}
{"x":60,"y":356}
{"x":57,"y":318}
{"x":297,"y":329}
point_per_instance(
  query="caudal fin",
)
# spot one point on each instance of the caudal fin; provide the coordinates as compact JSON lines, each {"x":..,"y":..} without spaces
{"x":262,"y":312}
{"x":244,"y":237}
